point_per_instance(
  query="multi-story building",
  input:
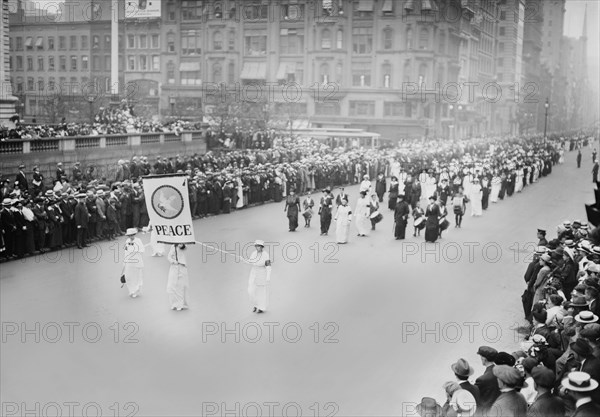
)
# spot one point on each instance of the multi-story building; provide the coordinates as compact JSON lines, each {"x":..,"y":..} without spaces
{"x":509,"y":64}
{"x":532,"y":98}
{"x":7,"y":100}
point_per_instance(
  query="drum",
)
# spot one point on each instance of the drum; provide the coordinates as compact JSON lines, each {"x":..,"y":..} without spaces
{"x":444,"y":224}
{"x":419,"y":223}
{"x":376,"y":217}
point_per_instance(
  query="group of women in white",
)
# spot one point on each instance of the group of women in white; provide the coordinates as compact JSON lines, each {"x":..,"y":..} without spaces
{"x":178,"y":282}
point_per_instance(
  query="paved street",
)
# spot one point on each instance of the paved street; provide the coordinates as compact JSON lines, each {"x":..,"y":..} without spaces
{"x":366,"y":328}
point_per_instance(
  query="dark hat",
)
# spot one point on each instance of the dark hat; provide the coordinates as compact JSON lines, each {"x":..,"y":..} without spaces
{"x":21,"y":166}
{"x":429,"y":408}
{"x":529,"y":363}
{"x":487,"y":352}
{"x":542,"y":231}
{"x":507,"y":374}
{"x":462,"y":368}
{"x":540,"y":316}
{"x":505,"y":358}
{"x":590,"y":331}
{"x":543,"y":376}
{"x":578,"y":301}
{"x":581,"y":347}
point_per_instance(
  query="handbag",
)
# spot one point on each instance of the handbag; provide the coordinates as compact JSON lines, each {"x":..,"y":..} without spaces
{"x":123,"y":280}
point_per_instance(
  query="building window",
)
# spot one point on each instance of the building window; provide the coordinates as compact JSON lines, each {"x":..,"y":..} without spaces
{"x":170,"y":73}
{"x":218,"y":10}
{"x":40,"y":63}
{"x":29,"y":43}
{"x":501,"y":46}
{"x":191,"y":10}
{"x":502,"y":31}
{"x":130,"y":41}
{"x":40,"y":84}
{"x":393,"y":108}
{"x":231,"y":40}
{"x":191,"y":42}
{"x":256,"y":45}
{"x":51,"y":83}
{"x":409,"y":38}
{"x":155,"y":63}
{"x":422,"y":74}
{"x":218,"y":41}
{"x":171,"y":13}
{"x":96,"y":63}
{"x":361,"y":75}
{"x":107,"y":63}
{"x":84,"y":63}
{"x":19,"y":84}
{"x":155,"y":41}
{"x":292,"y":12}
{"x":30,"y":84}
{"x":131,"y":63}
{"x":386,"y":70}
{"x":362,"y":108}
{"x":217,"y":73}
{"x":326,"y":39}
{"x":387,"y":8}
{"x":29,"y":63}
{"x":388,"y":34}
{"x":51,"y":66}
{"x":10,"y":65}
{"x":339,"y":41}
{"x":74,"y":85}
{"x":442,"y":42}
{"x":20,"y":43}
{"x":231,"y":73}
{"x":10,"y":44}
{"x":143,"y":63}
{"x":502,"y":15}
{"x":170,"y":42}
{"x":51,"y":43}
{"x":39,"y":43}
{"x":84,"y":42}
{"x":190,"y":78}
{"x":107,"y":42}
{"x":95,"y":42}
{"x":73,"y":63}
{"x":19,"y":63}
{"x":143,"y":41}
{"x":324,"y":73}
{"x":363,"y":9}
{"x":424,"y":39}
{"x":72,"y":42}
{"x":327,"y":109}
{"x":362,"y":40}
{"x":62,"y":43}
{"x":500,"y":62}
{"x":407,"y":72}
{"x":255,"y":11}
{"x":291,"y":42}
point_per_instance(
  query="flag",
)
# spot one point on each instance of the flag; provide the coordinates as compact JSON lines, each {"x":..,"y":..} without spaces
{"x":168,"y":203}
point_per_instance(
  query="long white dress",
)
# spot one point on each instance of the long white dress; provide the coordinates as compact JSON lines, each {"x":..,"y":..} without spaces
{"x":134,"y":266}
{"x":519,"y":180}
{"x":258,"y":282}
{"x":363,"y":213}
{"x":475,"y":196}
{"x":343,"y":217}
{"x":496,"y":186}
{"x":178,"y":282}
{"x":158,"y":249}
{"x":240,"y":193}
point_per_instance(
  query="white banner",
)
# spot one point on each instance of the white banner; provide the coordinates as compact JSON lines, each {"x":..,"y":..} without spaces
{"x":168,"y":203}
{"x":142,"y":9}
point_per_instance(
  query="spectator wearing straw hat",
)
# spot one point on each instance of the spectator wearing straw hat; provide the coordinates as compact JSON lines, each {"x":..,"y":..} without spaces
{"x":579,"y":386}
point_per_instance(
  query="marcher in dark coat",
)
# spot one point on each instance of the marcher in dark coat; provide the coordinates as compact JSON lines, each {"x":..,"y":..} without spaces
{"x":325,"y":211}
{"x":393,"y":193}
{"x":380,"y":186}
{"x":432,"y":226}
{"x":401,"y":218}
{"x":8,"y":228}
{"x":82,"y":217}
{"x":292,"y":207}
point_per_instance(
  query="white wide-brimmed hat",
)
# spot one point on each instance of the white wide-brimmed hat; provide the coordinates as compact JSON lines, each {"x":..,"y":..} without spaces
{"x":131,"y":231}
{"x":259,"y":242}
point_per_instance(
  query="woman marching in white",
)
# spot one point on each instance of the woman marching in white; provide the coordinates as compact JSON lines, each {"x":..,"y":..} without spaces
{"x":158,"y":249}
{"x":260,"y":276}
{"x":343,"y":216}
{"x":178,"y":282}
{"x":133,"y":267}
{"x":363,"y":213}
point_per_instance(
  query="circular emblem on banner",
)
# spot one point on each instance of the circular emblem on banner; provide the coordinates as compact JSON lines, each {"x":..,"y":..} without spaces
{"x":167,"y":202}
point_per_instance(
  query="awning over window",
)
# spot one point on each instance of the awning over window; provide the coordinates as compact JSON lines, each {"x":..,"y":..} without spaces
{"x":254,"y":71}
{"x":409,"y":5}
{"x":286,"y":68}
{"x":327,"y":4}
{"x":428,"y":5}
{"x":365,"y":6}
{"x":189,"y":66}
{"x":39,"y":42}
{"x":387,"y":6}
{"x":28,"y":42}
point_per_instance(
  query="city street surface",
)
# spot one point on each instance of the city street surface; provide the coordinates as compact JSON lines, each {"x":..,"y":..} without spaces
{"x":362,"y":329}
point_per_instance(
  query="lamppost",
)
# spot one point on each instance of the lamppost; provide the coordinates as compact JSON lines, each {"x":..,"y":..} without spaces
{"x":172,"y":103}
{"x":546,"y":105}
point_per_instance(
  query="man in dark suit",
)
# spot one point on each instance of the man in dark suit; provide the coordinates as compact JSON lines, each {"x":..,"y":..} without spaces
{"x":21,"y":179}
{"x":579,"y":386}
{"x":583,"y":354}
{"x":487,"y":383}
{"x":509,"y":403}
{"x":81,"y":220}
{"x":60,"y":171}
{"x":462,"y":370}
{"x":546,"y":404}
{"x":325,"y":208}
{"x":342,"y":195}
{"x":541,"y":235}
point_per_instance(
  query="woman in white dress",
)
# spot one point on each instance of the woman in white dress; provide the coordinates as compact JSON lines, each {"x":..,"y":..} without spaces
{"x":363,"y":213}
{"x":496,"y":185}
{"x":475,"y":197}
{"x":133,"y":268}
{"x":178,"y":282}
{"x":342,"y":219}
{"x":260,"y":277}
{"x":519,"y":180}
{"x":158,"y":249}
{"x":240,"y":193}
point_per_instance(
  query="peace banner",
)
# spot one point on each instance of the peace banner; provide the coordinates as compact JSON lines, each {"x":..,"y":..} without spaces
{"x":168,"y":203}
